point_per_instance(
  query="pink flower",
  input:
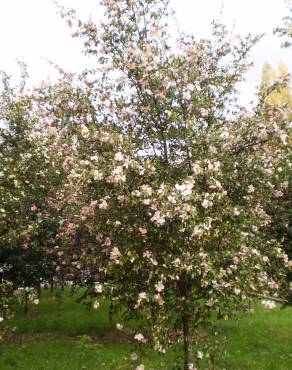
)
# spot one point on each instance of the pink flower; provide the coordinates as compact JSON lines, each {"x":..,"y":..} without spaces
{"x":140,"y":338}
{"x":98,"y":288}
{"x":33,"y":208}
{"x":269,"y":304}
{"x":142,"y":231}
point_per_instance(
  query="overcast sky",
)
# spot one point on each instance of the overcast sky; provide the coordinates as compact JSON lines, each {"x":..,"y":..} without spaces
{"x":32,"y":31}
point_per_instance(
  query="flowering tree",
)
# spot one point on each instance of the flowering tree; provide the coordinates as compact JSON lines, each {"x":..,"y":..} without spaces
{"x":167,"y":183}
{"x":144,"y":179}
{"x":280,"y":207}
{"x":28,"y":173}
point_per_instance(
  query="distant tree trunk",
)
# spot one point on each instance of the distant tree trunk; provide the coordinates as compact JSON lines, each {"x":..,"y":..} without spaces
{"x":39,"y":289}
{"x":110,"y":313}
{"x":186,"y":334}
{"x":26,"y":303}
{"x":52,"y":286}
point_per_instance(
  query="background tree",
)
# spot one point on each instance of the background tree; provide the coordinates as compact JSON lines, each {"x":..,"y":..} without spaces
{"x":28,"y":174}
{"x":280,"y":208}
{"x":285,"y":30}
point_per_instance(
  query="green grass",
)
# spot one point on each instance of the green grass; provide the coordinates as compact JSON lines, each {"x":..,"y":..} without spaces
{"x":66,"y":336}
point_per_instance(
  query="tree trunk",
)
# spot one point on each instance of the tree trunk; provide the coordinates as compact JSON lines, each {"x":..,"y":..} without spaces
{"x":110,"y":313}
{"x":26,"y":303}
{"x":186,"y":333}
{"x":39,"y":289}
{"x":52,"y":286}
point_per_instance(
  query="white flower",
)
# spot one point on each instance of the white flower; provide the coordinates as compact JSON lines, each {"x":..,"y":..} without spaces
{"x":84,"y":131}
{"x":210,"y":303}
{"x":147,"y":189}
{"x":200,"y":355}
{"x":158,"y":218}
{"x":96,"y":305}
{"x":36,"y":301}
{"x":250,"y":189}
{"x":117,"y":175}
{"x":236,"y":211}
{"x":98,"y":288}
{"x":268,"y":304}
{"x":142,"y":295}
{"x":119,"y":326}
{"x":140,"y":367}
{"x":159,"y":286}
{"x":283,"y":138}
{"x":140,"y":338}
{"x":115,"y":254}
{"x":196,"y":169}
{"x":171,"y":199}
{"x":97,"y":175}
{"x":197,"y":231}
{"x":134,"y":356}
{"x":186,"y":188}
{"x":206,"y":203}
{"x":1,"y":319}
{"x":119,"y":156}
{"x":191,"y":87}
{"x":103,"y":204}
{"x":187,"y":95}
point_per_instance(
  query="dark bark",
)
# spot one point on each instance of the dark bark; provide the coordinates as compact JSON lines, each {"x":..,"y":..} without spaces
{"x":39,"y":289}
{"x":26,"y":303}
{"x":110,"y":313}
{"x":186,"y":334}
{"x":52,"y":286}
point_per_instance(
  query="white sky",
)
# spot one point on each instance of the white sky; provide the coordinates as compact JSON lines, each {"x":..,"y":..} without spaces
{"x":31,"y":30}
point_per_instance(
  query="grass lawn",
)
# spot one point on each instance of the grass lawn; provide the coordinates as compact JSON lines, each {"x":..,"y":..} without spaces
{"x":66,"y":336}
